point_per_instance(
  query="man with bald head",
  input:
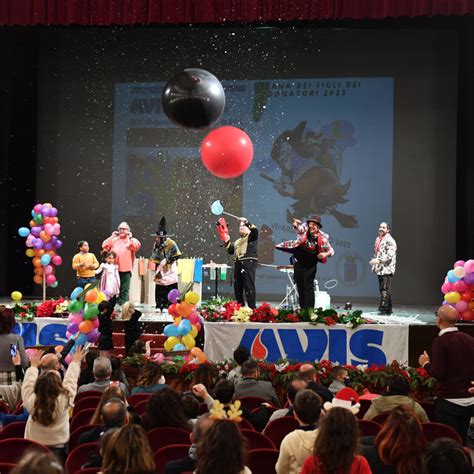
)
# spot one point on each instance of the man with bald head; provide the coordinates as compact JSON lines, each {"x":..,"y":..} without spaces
{"x":50,"y":362}
{"x":451,"y":365}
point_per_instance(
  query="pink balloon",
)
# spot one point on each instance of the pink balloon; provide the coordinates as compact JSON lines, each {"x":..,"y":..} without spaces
{"x":37,"y":208}
{"x":57,"y":260}
{"x":68,"y":334}
{"x":461,"y":306}
{"x":30,"y":240}
{"x":193,"y":318}
{"x":48,"y":269}
{"x":446,"y":288}
{"x":76,"y":318}
{"x":469,"y":266}
{"x":49,"y":228}
{"x":57,"y":229}
{"x":459,"y":263}
{"x":30,"y":353}
{"x":68,"y":359}
{"x":50,"y":279}
{"x":95,"y":322}
{"x":159,"y":357}
{"x":460,"y":286}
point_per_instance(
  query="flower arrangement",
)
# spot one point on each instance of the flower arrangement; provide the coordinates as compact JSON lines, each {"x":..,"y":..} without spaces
{"x":51,"y":307}
{"x":25,"y":312}
{"x":242,"y":315}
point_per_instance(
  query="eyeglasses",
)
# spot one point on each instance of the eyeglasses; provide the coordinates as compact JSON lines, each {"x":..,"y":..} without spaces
{"x":122,"y":228}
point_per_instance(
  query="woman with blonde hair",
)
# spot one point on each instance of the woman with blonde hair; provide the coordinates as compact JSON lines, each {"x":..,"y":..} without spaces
{"x":132,"y":332}
{"x":113,"y":391}
{"x":35,"y":462}
{"x":128,"y":451}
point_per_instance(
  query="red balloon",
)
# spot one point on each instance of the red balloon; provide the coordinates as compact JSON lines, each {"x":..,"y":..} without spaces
{"x":467,"y":315}
{"x":467,"y":296}
{"x":227,"y":152}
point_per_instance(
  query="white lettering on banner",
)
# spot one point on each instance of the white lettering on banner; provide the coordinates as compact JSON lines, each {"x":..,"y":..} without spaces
{"x":367,"y":344}
{"x":43,"y":331}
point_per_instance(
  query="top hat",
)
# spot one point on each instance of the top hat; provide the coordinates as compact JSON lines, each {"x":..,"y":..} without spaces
{"x":161,"y":230}
{"x":316,"y":219}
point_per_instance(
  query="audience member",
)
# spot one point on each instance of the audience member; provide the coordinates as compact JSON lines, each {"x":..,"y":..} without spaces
{"x":396,"y":395}
{"x":112,"y":391}
{"x":446,"y":456}
{"x":252,"y":387}
{"x":450,"y":352}
{"x":118,"y":375}
{"x":102,"y":370}
{"x":205,"y":374}
{"x":112,"y":415}
{"x":241,"y":355}
{"x":191,"y":407}
{"x":399,"y":447}
{"x":128,"y":451}
{"x":164,"y":408}
{"x":35,"y":462}
{"x":188,"y":464}
{"x":87,"y":375}
{"x":308,"y":373}
{"x":340,"y":376}
{"x":298,"y":445}
{"x":9,"y":344}
{"x":337,"y":442}
{"x":149,"y":379}
{"x":11,"y":394}
{"x":95,"y":458}
{"x":50,"y":362}
{"x":48,"y":399}
{"x":222,"y":450}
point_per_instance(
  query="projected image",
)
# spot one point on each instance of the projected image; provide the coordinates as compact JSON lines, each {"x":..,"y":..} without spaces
{"x":322,"y":146}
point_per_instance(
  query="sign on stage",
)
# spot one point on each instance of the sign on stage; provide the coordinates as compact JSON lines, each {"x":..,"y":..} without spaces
{"x":367,"y":344}
{"x":43,"y":331}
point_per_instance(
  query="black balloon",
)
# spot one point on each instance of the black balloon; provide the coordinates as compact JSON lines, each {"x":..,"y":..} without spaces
{"x":193,"y":98}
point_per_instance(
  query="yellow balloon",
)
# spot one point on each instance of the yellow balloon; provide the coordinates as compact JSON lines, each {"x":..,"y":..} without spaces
{"x":16,"y":296}
{"x":452,"y":297}
{"x":100,"y":297}
{"x":194,"y":331}
{"x":171,"y":342}
{"x":30,"y":253}
{"x":191,"y":297}
{"x":188,"y":341}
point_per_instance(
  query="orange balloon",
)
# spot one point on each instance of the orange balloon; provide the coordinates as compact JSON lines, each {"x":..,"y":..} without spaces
{"x":39,"y":252}
{"x":38,"y":270}
{"x":44,"y":236}
{"x":51,"y":253}
{"x":86,"y":327}
{"x":91,"y":296}
{"x":36,"y":262}
{"x":32,"y":223}
{"x":184,"y":309}
{"x":55,"y":220}
{"x":38,"y":279}
{"x":471,"y":305}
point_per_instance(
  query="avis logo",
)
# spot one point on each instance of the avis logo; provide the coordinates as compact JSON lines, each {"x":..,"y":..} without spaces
{"x":361,"y":347}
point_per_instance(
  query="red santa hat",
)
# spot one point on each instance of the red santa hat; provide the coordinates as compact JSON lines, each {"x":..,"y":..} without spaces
{"x":345,"y":398}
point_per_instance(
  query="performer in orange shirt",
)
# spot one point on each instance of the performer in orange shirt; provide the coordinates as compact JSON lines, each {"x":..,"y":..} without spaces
{"x":85,"y":264}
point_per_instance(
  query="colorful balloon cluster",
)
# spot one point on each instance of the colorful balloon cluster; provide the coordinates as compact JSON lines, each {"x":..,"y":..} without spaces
{"x":458,"y":289}
{"x":43,"y":242}
{"x":83,"y":312}
{"x":187,"y":322}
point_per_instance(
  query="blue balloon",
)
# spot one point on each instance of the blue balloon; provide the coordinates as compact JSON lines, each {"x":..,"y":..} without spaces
{"x":216,"y":208}
{"x":23,"y":232}
{"x":171,"y":330}
{"x":452,"y":278}
{"x":33,"y":213}
{"x":45,"y":259}
{"x":81,"y":340}
{"x":179,"y":347}
{"x":76,"y":292}
{"x":184,"y":327}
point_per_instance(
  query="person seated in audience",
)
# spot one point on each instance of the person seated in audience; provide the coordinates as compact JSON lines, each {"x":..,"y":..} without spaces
{"x":128,"y":451}
{"x":191,"y":407}
{"x":95,"y":458}
{"x":87,"y":376}
{"x":396,"y":395}
{"x":188,"y":464}
{"x":222,"y":450}
{"x":149,"y":379}
{"x":112,"y":415}
{"x":50,"y":362}
{"x":337,"y":442}
{"x":225,"y":392}
{"x":118,"y":375}
{"x":49,"y":400}
{"x":252,"y":387}
{"x":298,"y":445}
{"x":308,"y":373}
{"x":34,"y":462}
{"x":241,"y":355}
{"x":293,"y":388}
{"x":205,"y":374}
{"x":9,"y":342}
{"x":446,"y":456}
{"x":399,"y":446}
{"x":102,"y":370}
{"x":164,"y":408}
{"x":340,"y":376}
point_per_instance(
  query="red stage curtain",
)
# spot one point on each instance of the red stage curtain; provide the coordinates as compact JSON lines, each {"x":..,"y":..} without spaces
{"x":145,"y":12}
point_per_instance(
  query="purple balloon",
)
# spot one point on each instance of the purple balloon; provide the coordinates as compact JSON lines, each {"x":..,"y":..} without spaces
{"x":173,"y":295}
{"x":93,"y":336}
{"x":73,"y":328}
{"x":46,"y":211}
{"x":48,"y":245}
{"x":58,"y":244}
{"x":469,"y":278}
{"x":36,"y":230}
{"x":38,"y":244}
{"x":53,"y":212}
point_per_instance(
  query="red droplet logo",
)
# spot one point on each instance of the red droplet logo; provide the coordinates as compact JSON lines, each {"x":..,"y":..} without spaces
{"x":258,"y":350}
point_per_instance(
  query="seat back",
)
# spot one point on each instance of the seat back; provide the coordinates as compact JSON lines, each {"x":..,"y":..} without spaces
{"x":368,"y":428}
{"x":429,"y":409}
{"x":252,"y":402}
{"x":82,"y":418}
{"x":140,"y":407}
{"x":13,"y":430}
{"x":87,"y":394}
{"x":433,"y":431}
{"x":257,"y":440}
{"x":74,"y":438}
{"x":245,"y":424}
{"x":262,"y":460}
{"x":382,"y":418}
{"x":138,"y":397}
{"x":12,"y":449}
{"x":6,"y":467}
{"x":364,"y":407}
{"x":79,"y":456}
{"x":279,"y":428}
{"x":169,"y":453}
{"x":161,"y":437}
{"x":86,"y":402}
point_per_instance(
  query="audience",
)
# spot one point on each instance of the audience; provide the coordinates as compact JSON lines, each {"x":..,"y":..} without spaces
{"x":308,"y":373}
{"x":87,"y":376}
{"x":118,"y":375}
{"x":337,"y":442}
{"x":128,"y":451}
{"x":102,"y":370}
{"x":11,"y":394}
{"x":35,"y":462}
{"x":340,"y":376}
{"x":241,"y":355}
{"x":164,"y":408}
{"x":205,"y":375}
{"x":48,"y":399}
{"x":8,"y":341}
{"x":446,"y":456}
{"x":298,"y":445}
{"x":149,"y":379}
{"x":293,"y":388}
{"x":396,"y":395}
{"x":188,"y":463}
{"x":252,"y":387}
{"x":113,"y":391}
{"x":222,"y":450}
{"x":191,"y":407}
{"x":399,"y":447}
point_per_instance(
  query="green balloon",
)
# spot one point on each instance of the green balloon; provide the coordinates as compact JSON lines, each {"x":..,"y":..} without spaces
{"x":38,"y":219}
{"x":75,"y":306}
{"x":90,"y":311}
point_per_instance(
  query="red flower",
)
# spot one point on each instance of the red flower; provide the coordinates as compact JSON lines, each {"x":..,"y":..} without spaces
{"x":329,"y":321}
{"x":422,"y":372}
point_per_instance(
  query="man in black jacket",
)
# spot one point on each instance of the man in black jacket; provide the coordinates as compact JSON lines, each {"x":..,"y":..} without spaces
{"x":244,"y":251}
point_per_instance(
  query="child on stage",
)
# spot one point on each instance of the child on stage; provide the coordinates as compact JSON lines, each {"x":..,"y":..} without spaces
{"x":110,"y":280}
{"x":85,"y":264}
{"x":106,"y":343}
{"x":132,"y":332}
{"x":166,"y":279}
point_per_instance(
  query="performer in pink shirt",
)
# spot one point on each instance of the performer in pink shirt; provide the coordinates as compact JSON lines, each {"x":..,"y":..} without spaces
{"x":124,"y":246}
